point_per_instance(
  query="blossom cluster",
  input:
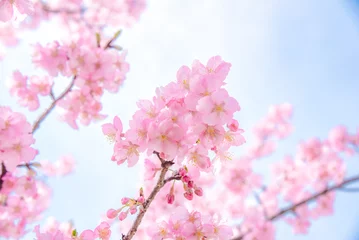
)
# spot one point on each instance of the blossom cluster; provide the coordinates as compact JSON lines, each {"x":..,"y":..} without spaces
{"x":97,"y":12}
{"x":23,"y":198}
{"x":102,"y":231}
{"x":15,"y":139}
{"x":186,"y":120}
{"x":62,"y":167}
{"x":93,"y":70}
{"x":193,"y":225}
{"x":299,"y":185}
{"x":17,"y":16}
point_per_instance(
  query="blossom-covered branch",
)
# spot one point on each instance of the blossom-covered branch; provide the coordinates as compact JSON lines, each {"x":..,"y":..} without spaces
{"x":314,"y":197}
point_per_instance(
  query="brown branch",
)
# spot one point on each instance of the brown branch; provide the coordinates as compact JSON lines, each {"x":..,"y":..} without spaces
{"x":46,"y":8}
{"x":160,"y":183}
{"x":52,"y":95}
{"x":307,"y":200}
{"x":3,"y":172}
{"x":175,"y":177}
{"x":115,"y":36}
{"x":52,"y":106}
{"x":159,"y":157}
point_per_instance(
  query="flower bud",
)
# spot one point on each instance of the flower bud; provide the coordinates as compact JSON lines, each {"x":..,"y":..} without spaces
{"x":122,"y":216}
{"x":188,"y":195}
{"x":186,"y":178}
{"x":133,"y":210}
{"x":170,"y":198}
{"x":125,"y":200}
{"x":141,"y":199}
{"x":111,"y":213}
{"x":198,"y":191}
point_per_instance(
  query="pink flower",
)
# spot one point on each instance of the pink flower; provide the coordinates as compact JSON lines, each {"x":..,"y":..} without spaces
{"x":103,"y":231}
{"x":183,"y":77}
{"x":151,"y":169}
{"x":217,"y":231}
{"x":18,"y":82}
{"x":217,"y":108}
{"x":41,"y":85}
{"x":7,"y":8}
{"x":198,"y":156}
{"x":338,"y":138}
{"x":113,"y":131}
{"x":163,"y":137}
{"x":18,"y":150}
{"x":126,"y":150}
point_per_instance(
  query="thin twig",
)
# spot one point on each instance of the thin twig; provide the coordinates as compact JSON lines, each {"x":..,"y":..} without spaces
{"x":52,"y":106}
{"x":117,"y":34}
{"x":175,"y":177}
{"x":46,"y":8}
{"x":256,"y":196}
{"x":52,"y":95}
{"x":160,"y":183}
{"x":308,"y":200}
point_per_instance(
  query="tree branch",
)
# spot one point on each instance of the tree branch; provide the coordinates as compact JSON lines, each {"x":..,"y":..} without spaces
{"x":52,"y":106}
{"x":3,"y":172}
{"x":160,"y":183}
{"x":308,"y":200}
{"x":175,"y":177}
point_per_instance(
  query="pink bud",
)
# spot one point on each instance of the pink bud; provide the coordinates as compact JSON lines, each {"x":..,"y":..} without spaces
{"x":111,"y":213}
{"x":190,"y":184}
{"x":198,"y":191}
{"x":122,"y":216}
{"x":233,"y":126}
{"x":188,"y":195}
{"x":182,"y":171}
{"x":170,"y":198}
{"x":133,"y":210}
{"x":125,"y":200}
{"x":141,"y":199}
{"x":186,"y":179}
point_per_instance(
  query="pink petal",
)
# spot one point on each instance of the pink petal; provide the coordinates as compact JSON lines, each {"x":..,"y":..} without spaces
{"x":6,"y":11}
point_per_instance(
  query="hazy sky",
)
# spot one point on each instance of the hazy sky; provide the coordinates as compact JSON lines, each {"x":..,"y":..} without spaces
{"x":300,"y":51}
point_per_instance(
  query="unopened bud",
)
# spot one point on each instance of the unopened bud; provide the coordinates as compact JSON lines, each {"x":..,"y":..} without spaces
{"x":111,"y":213}
{"x":188,"y":195}
{"x":133,"y":210}
{"x":170,"y":198}
{"x":141,"y":199}
{"x":198,"y":191}
{"x":125,"y":200}
{"x":186,"y":179}
{"x":122,"y":216}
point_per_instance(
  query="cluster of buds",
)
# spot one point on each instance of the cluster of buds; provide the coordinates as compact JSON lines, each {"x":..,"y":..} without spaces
{"x":188,"y":185}
{"x":129,"y":205}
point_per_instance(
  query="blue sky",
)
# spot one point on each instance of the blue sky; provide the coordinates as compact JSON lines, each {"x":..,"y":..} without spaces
{"x":301,"y":51}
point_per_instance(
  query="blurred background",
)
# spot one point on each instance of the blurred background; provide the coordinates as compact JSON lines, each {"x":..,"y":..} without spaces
{"x":300,"y":51}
